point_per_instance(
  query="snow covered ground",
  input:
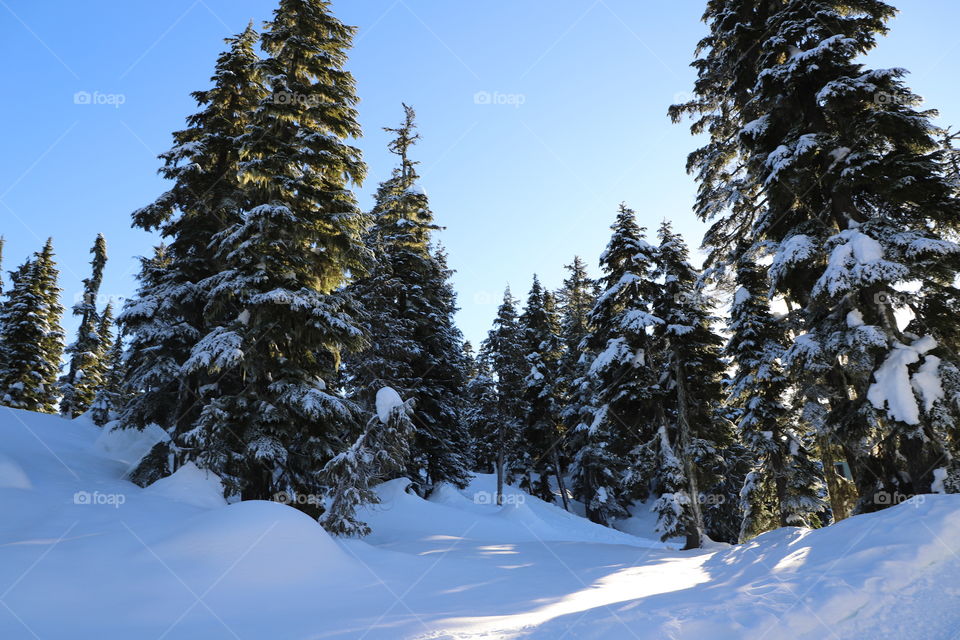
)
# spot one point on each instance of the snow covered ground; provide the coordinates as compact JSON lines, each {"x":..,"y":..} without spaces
{"x":85,"y":554}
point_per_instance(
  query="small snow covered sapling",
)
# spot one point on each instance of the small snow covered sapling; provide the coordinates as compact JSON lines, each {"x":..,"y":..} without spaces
{"x":379,"y":454}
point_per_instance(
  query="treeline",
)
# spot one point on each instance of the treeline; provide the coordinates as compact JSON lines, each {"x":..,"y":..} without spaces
{"x":297,"y":346}
{"x":32,"y":339}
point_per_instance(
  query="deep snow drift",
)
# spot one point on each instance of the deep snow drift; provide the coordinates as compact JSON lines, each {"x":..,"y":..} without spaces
{"x":85,"y":554}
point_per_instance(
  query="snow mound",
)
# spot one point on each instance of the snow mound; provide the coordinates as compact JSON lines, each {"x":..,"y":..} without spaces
{"x":260,"y":543}
{"x":12,"y":475}
{"x":191,"y":485}
{"x":472,"y":514}
{"x":449,"y":496}
{"x":128,"y":445}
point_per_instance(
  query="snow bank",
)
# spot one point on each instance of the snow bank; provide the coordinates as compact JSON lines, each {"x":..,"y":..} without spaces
{"x":12,"y":476}
{"x":472,"y":514}
{"x":191,"y":485}
{"x":129,"y":445}
{"x":170,"y":561}
{"x":261,"y":543}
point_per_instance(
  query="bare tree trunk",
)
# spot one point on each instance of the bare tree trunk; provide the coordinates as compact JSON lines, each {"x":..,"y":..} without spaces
{"x":561,"y":486}
{"x":835,"y":488}
{"x":695,"y":526}
{"x":500,"y":466}
{"x":780,"y":480}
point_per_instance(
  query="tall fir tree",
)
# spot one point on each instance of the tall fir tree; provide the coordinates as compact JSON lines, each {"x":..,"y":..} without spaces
{"x":441,"y":449}
{"x":541,"y":432}
{"x":621,"y":375}
{"x":414,"y":345}
{"x":832,"y":168}
{"x":576,"y":299}
{"x":174,"y":308}
{"x":78,"y":386}
{"x":109,"y":395}
{"x":784,"y":486}
{"x":691,"y":376}
{"x":481,"y":414}
{"x":503,"y":349}
{"x":31,"y":338}
{"x":285,"y":321}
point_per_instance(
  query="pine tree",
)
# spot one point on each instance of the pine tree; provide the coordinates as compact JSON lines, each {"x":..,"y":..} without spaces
{"x":109,"y":395}
{"x":79,"y":386}
{"x":277,"y":420}
{"x":620,"y":374}
{"x":503,"y":348}
{"x":31,"y":339}
{"x":691,"y":375}
{"x":575,"y":299}
{"x":414,"y":345}
{"x":833,"y":169}
{"x":380,"y":453}
{"x":156,"y":341}
{"x":175,"y":306}
{"x":674,"y":504}
{"x":541,"y":434}
{"x":784,"y":485}
{"x":441,"y":448}
{"x":481,"y":415}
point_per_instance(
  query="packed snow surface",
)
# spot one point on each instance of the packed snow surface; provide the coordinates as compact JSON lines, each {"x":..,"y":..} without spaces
{"x":86,"y":554}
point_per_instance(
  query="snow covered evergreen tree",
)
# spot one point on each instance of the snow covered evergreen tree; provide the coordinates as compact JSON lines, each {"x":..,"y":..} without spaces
{"x":414,"y":345}
{"x":691,"y":375}
{"x":621,"y":375}
{"x":109,"y":394}
{"x":156,"y":341}
{"x":380,"y":453}
{"x":285,"y":323}
{"x":31,"y":338}
{"x":481,"y":415}
{"x":79,"y":385}
{"x":540,"y":335}
{"x":504,"y":348}
{"x":832,"y":168}
{"x":576,"y":299}
{"x":175,"y":306}
{"x":441,"y":450}
{"x":784,"y":485}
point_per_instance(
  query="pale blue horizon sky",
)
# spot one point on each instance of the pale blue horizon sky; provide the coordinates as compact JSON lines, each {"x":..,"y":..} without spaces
{"x":537,"y":117}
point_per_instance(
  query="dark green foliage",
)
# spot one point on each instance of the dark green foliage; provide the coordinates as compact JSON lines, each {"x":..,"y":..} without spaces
{"x":380,"y":453}
{"x":621,"y":375}
{"x":691,"y":374}
{"x":284,"y":320}
{"x":177,"y":303}
{"x":85,"y":368}
{"x":784,"y":485}
{"x":414,"y":345}
{"x":31,"y":338}
{"x":833,"y":169}
{"x":540,"y":329}
{"x":503,"y":350}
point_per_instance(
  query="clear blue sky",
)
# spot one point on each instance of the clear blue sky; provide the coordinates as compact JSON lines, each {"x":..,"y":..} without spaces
{"x":521,"y":186}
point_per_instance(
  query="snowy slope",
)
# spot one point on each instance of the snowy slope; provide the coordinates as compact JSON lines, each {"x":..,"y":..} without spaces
{"x":85,"y":554}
